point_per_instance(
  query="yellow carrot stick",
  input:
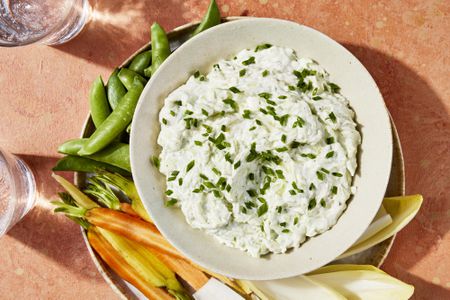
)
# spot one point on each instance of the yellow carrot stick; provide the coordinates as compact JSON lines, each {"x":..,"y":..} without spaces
{"x":123,"y":269}
{"x":82,"y":199}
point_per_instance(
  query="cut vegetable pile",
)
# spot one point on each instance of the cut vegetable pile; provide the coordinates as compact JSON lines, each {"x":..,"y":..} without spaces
{"x":123,"y":235}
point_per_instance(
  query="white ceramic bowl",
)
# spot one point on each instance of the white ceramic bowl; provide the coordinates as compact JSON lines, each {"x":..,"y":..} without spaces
{"x":375,"y":153}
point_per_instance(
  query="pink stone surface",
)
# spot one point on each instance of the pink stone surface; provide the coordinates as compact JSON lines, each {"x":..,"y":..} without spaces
{"x":404,"y":44}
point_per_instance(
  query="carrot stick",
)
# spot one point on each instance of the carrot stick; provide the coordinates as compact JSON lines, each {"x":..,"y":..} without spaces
{"x":132,"y":228}
{"x":126,"y":208}
{"x":192,"y":275}
{"x":123,"y":269}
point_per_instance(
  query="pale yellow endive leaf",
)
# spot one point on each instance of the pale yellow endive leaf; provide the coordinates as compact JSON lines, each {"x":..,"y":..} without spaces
{"x":300,"y":287}
{"x":345,"y":267}
{"x":367,"y":285}
{"x":402,"y":210}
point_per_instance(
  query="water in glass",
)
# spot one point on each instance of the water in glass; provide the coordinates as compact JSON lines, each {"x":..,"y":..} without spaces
{"x":50,"y":22}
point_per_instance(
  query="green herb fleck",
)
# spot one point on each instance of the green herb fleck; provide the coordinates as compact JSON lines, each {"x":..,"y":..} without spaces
{"x":197,"y":74}
{"x":280,"y":174}
{"x":279,"y":209}
{"x":251,"y":176}
{"x":300,"y":123}
{"x":155,"y":161}
{"x":262,"y":209}
{"x":205,"y":112}
{"x":169,"y":192}
{"x":246,"y":114}
{"x":242,"y":72}
{"x":231,"y":103}
{"x":203,"y":176}
{"x":285,"y":230}
{"x":228,"y":157}
{"x":312,"y":203}
{"x":292,"y":192}
{"x":294,"y":144}
{"x":171,"y":202}
{"x":329,"y":140}
{"x":296,"y":220}
{"x":281,"y":149}
{"x":172,"y":113}
{"x":262,"y":47}
{"x":164,"y":121}
{"x":252,"y":128}
{"x":325,"y":170}
{"x":283,"y":138}
{"x":266,"y":96}
{"x":291,"y":88}
{"x":237,"y":165}
{"x":258,"y":122}
{"x":235,"y":90}
{"x":312,"y":186}
{"x":334,"y":87}
{"x":190,"y":166}
{"x":178,"y":103}
{"x":249,"y":61}
{"x":334,"y":189}
{"x":251,"y":193}
{"x":316,"y":98}
{"x":332,"y":117}
{"x":265,"y":73}
{"x":198,"y":143}
{"x":217,"y":172}
{"x":320,"y":175}
{"x":282,"y":97}
{"x":180,"y":181}
{"x":330,"y":154}
{"x":336,"y":174}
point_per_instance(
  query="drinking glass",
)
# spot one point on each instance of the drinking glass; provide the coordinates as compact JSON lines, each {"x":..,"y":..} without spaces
{"x":17,"y":190}
{"x":49,"y":22}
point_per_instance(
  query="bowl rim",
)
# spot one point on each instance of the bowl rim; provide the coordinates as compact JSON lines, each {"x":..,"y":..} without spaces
{"x":138,"y":167}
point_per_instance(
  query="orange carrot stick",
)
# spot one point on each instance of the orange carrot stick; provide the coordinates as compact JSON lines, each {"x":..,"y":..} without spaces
{"x":192,"y":275}
{"x":123,"y":269}
{"x":126,"y":208}
{"x":132,"y":228}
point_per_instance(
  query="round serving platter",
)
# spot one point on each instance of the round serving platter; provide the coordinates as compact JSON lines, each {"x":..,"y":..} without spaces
{"x":373,"y":256}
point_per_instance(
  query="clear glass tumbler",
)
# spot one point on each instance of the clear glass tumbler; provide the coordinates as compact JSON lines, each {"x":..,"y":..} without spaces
{"x":17,"y":190}
{"x":49,"y":22}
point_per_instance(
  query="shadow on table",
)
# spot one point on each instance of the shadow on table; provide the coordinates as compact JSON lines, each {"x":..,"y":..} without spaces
{"x":115,"y":30}
{"x":424,"y":129}
{"x":55,"y":236}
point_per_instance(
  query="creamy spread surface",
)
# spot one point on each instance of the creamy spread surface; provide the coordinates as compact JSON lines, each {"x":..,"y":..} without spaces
{"x":261,"y":151}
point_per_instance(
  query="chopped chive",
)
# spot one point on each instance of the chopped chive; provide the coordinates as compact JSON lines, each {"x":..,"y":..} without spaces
{"x":228,"y":157}
{"x":217,"y":172}
{"x":291,"y":88}
{"x":242,"y":72}
{"x":251,"y":193}
{"x":282,"y":149}
{"x":279,"y":209}
{"x":312,"y":186}
{"x":216,"y":66}
{"x":180,"y":181}
{"x":258,"y":122}
{"x":330,"y":140}
{"x":188,"y":112}
{"x":263,"y":111}
{"x":270,"y":102}
{"x":249,"y":204}
{"x":312,"y":203}
{"x":203,"y":176}
{"x":231,"y":103}
{"x":208,"y":128}
{"x":334,"y":87}
{"x":325,"y":170}
{"x":283,"y":138}
{"x":295,"y":220}
{"x":252,"y":128}
{"x":155,"y":161}
{"x":294,"y":144}
{"x":308,"y":155}
{"x":235,"y":90}
{"x":332,"y":117}
{"x":334,"y":189}
{"x":169,"y":192}
{"x":320,"y":175}
{"x":246,"y":114}
{"x":330,"y":154}
{"x":336,"y":174}
{"x":280,"y":174}
{"x":300,"y":123}
{"x":285,"y":230}
{"x":205,"y":112}
{"x":190,"y":166}
{"x":249,"y":61}
{"x":262,"y":209}
{"x":237,"y":165}
{"x":197,"y":74}
{"x":265,"y":73}
{"x":178,"y":102}
{"x":292,"y":192}
{"x":209,"y":184}
{"x":223,"y":128}
{"x":251,"y":176}
{"x":228,"y":188}
{"x":316,"y":98}
{"x":243,"y":210}
{"x":198,"y":143}
{"x":172,"y":113}
{"x":216,"y":193}
{"x":264,"y":95}
{"x":283,"y":224}
{"x":164,"y":121}
{"x":262,"y":47}
{"x":171,"y":202}
{"x":282,"y":97}
{"x":323,"y":203}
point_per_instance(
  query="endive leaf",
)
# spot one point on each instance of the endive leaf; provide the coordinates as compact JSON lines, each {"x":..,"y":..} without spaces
{"x":300,"y":287}
{"x":345,"y":267}
{"x":381,"y":221}
{"x":402,"y":210}
{"x":367,"y":285}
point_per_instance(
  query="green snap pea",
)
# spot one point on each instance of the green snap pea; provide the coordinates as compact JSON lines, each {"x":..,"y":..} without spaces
{"x":115,"y":89}
{"x":127,"y":77}
{"x":98,"y":102}
{"x":160,"y":49}
{"x":140,"y":62}
{"x":117,"y":121}
{"x":83,"y":164}
{"x":116,"y":154}
{"x":211,"y":18}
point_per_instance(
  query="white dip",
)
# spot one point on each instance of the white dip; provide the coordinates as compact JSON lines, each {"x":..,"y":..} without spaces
{"x":259,"y":153}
